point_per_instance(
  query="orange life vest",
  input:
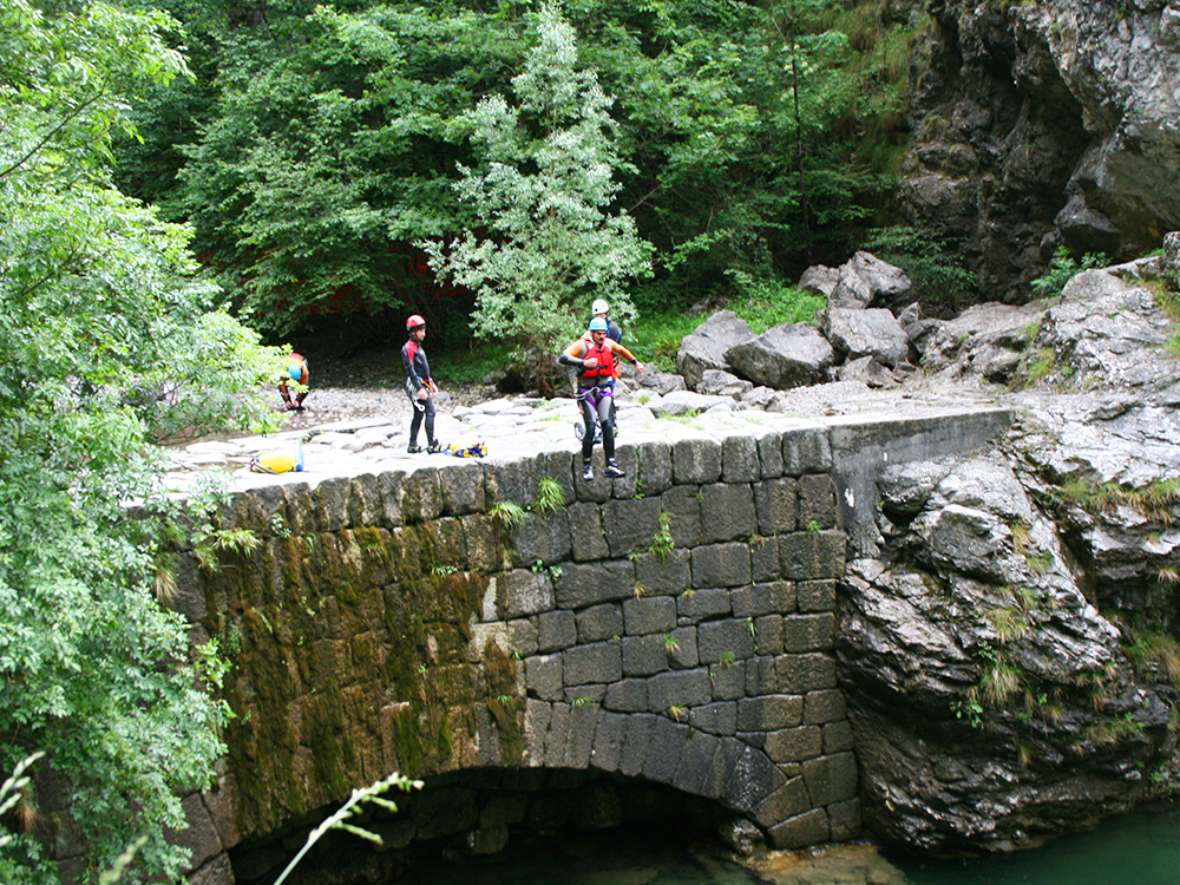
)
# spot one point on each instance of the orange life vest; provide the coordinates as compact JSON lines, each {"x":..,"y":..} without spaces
{"x":606,"y":361}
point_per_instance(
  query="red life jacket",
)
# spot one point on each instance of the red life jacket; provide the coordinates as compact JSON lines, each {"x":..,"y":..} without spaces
{"x":606,"y":360}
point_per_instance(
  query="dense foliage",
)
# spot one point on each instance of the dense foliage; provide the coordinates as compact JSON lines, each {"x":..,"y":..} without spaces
{"x":320,"y":142}
{"x":548,"y":245}
{"x":107,"y":345}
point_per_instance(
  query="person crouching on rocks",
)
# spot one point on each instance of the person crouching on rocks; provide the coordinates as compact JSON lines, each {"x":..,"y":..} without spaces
{"x":594,"y":361}
{"x":420,"y":387}
{"x":298,"y":372}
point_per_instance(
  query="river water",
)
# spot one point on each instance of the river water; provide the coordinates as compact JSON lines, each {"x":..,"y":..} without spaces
{"x":1137,"y":849}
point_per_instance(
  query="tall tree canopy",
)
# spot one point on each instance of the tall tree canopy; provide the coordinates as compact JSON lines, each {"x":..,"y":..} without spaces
{"x":107,"y":345}
{"x":321,"y":141}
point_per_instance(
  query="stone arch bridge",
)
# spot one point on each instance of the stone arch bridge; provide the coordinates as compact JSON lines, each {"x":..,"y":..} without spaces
{"x":438,"y":615}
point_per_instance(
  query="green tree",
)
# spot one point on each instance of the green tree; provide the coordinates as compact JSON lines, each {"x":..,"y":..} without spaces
{"x":547,"y":242}
{"x":106,"y":347}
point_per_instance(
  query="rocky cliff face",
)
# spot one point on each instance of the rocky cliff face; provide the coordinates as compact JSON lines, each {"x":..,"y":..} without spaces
{"x":1010,"y":654}
{"x":1046,"y":122}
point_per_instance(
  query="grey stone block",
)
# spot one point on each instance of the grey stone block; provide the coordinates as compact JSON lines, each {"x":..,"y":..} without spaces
{"x":719,"y":640}
{"x":817,"y":501}
{"x":807,"y":556}
{"x":802,"y":673}
{"x":556,"y":630}
{"x":462,"y":489}
{"x":580,"y":739}
{"x":696,"y":461}
{"x":770,"y":453}
{"x":683,"y":506}
{"x":543,"y":677}
{"x":484,"y":543}
{"x":544,"y":537}
{"x":514,"y":481}
{"x":608,"y":742}
{"x":559,"y":467}
{"x":806,"y":451}
{"x":663,"y":755}
{"x":762,"y":676}
{"x":555,"y":738}
{"x":627,"y":696}
{"x":536,"y":727}
{"x":600,"y":622}
{"x":800,"y":831}
{"x":721,"y":565}
{"x":644,"y":655}
{"x":824,"y":706}
{"x":585,"y":584}
{"x":631,"y":525}
{"x":845,"y":819}
{"x":817,"y":596}
{"x":764,"y":561}
{"x":739,"y":460}
{"x":727,"y":512}
{"x":597,"y":489}
{"x":588,"y":540}
{"x":665,"y":576}
{"x":752,"y":778}
{"x":654,"y":615}
{"x":522,"y":592}
{"x":678,"y":688}
{"x":364,"y":502}
{"x":774,"y":502}
{"x":716,"y":718}
{"x":837,"y":737}
{"x":330,"y":504}
{"x":729,"y":680}
{"x":682,"y":654}
{"x":444,"y":810}
{"x":625,"y":486}
{"x":695,"y":605}
{"x":503,"y":809}
{"x":769,"y":712}
{"x":389,"y":486}
{"x":794,"y":744}
{"x":635,"y":743}
{"x":756,"y":600}
{"x":768,"y":634}
{"x":655,"y":468}
{"x":597,"y":662}
{"x":523,"y":636}
{"x":831,"y":778}
{"x":696,"y":763}
{"x":814,"y":632}
{"x":787,"y":801}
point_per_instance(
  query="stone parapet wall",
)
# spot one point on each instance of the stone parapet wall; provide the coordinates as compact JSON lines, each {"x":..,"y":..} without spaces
{"x":676,"y":625}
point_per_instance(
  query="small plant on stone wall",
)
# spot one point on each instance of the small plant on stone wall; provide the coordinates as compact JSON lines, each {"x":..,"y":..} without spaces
{"x":370,"y":795}
{"x":279,"y":527}
{"x":639,"y":589}
{"x":671,"y":645}
{"x":550,"y":497}
{"x":813,"y":526}
{"x":727,"y":659}
{"x":539,"y":568}
{"x":662,"y":544}
{"x":677,"y":713}
{"x":584,"y":700}
{"x":508,"y":515}
{"x":968,"y":711}
{"x":751,"y":629}
{"x":505,"y":700}
{"x":443,"y":570}
{"x":208,"y":545}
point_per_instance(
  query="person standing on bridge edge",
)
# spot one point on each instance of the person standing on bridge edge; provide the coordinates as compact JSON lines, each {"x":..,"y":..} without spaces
{"x":595,"y":361}
{"x":298,"y":372}
{"x":420,"y":387}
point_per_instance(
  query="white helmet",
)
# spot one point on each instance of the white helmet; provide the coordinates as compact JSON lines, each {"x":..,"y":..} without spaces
{"x":599,"y":306}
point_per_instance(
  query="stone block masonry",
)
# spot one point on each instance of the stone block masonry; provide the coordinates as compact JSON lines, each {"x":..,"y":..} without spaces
{"x":675,"y":626}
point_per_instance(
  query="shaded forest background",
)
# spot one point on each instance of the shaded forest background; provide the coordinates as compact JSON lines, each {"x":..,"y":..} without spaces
{"x":316,"y":145}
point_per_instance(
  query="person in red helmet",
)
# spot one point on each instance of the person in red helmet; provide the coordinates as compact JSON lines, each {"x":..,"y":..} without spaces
{"x":298,"y":372}
{"x":420,"y":386}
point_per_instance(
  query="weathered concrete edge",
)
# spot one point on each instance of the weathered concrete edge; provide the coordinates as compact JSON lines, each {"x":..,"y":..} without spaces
{"x":862,"y":449}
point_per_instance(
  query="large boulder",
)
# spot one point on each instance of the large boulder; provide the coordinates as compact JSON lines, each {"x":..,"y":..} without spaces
{"x":875,"y":333}
{"x":820,"y":279}
{"x":790,"y":355}
{"x":988,"y":340}
{"x":714,"y":382}
{"x":706,"y":347}
{"x":660,"y":382}
{"x":991,"y":702}
{"x":686,"y":402}
{"x":865,"y":280}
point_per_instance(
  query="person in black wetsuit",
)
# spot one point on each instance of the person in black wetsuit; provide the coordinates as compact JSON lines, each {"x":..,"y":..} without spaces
{"x":420,"y":386}
{"x":595,"y":361}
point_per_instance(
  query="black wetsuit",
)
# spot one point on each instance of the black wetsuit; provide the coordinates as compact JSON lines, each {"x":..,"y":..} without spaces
{"x":417,"y":374}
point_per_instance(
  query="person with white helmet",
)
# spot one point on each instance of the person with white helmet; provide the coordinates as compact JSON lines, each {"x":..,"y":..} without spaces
{"x":420,"y":386}
{"x":594,"y":359}
{"x":601,"y":309}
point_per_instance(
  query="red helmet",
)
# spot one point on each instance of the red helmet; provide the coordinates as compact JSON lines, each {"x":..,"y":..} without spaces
{"x":414,"y":322}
